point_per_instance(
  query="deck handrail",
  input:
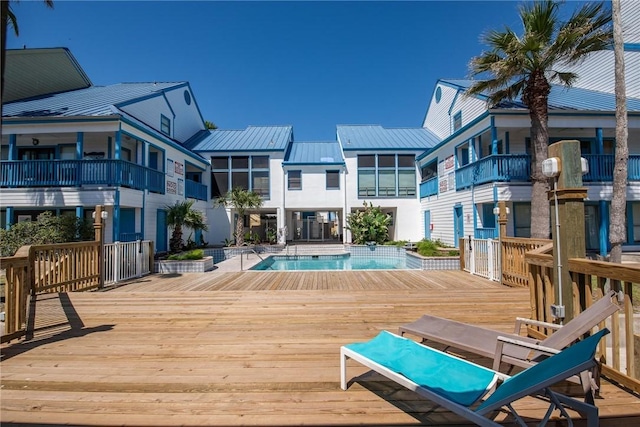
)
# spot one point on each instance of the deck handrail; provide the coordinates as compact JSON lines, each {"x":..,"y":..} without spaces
{"x":76,"y":173}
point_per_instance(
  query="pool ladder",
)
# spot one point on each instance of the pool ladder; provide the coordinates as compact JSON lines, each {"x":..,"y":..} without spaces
{"x":248,"y":251}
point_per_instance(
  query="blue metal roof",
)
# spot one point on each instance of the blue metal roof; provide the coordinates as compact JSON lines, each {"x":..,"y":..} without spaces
{"x":92,"y":101}
{"x":314,"y":153}
{"x":562,"y":98}
{"x":375,"y":137}
{"x":253,"y":138}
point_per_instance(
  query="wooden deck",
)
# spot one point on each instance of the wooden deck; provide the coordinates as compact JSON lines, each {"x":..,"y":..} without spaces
{"x":250,"y":348}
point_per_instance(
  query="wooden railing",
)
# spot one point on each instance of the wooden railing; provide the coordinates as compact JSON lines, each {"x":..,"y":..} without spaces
{"x":590,"y":280}
{"x":513,"y":265}
{"x":65,"y":267}
{"x":17,"y":286}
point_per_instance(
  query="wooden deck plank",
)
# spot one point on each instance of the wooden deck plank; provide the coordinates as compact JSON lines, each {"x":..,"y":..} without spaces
{"x":245,"y":348}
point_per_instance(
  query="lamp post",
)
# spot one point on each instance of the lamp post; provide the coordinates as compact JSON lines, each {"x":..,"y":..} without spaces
{"x":99,"y":216}
{"x":502,"y":211}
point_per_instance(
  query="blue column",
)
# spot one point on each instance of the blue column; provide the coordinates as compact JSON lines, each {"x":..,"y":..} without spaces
{"x":9,"y":214}
{"x":80,"y":145}
{"x":599,"y":141}
{"x":118,"y":145}
{"x":144,"y":194}
{"x":80,"y":212}
{"x":13,"y":148}
{"x":494,"y":136}
{"x":116,"y":216}
{"x":604,"y":227}
{"x":507,"y":150}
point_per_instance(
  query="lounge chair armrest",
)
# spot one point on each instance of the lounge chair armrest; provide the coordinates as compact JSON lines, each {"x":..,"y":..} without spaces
{"x":501,"y":341}
{"x":532,"y":346}
{"x":524,"y":321}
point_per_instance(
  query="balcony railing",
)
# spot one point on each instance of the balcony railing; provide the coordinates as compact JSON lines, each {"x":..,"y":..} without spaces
{"x":195,"y":190}
{"x":429,"y":187}
{"x":76,"y":173}
{"x":499,"y":167}
{"x":601,"y":167}
{"x":486,"y":233}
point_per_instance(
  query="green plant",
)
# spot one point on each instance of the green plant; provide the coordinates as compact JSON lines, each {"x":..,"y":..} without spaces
{"x":271,"y":235}
{"x":368,"y":225}
{"x":432,"y":248}
{"x":47,"y":229}
{"x":190,"y":255}
{"x":228,"y":242}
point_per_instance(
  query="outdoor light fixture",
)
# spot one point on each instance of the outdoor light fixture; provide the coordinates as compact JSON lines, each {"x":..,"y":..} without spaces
{"x":551,"y":167}
{"x":584,"y":164}
{"x":35,"y":141}
{"x":496,"y":211}
{"x":103,"y":214}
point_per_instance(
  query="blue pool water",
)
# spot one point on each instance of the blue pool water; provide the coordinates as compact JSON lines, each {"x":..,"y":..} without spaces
{"x":329,"y":262}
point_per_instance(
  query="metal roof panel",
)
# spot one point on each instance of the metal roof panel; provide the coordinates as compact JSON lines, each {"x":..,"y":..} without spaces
{"x":253,"y":138}
{"x":314,"y":153}
{"x":375,"y":137}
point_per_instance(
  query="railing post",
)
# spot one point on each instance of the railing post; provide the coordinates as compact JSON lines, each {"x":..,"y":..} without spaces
{"x":138,"y":258}
{"x":472,"y":258}
{"x":502,"y":232}
{"x":98,"y":228}
{"x":492,"y":272}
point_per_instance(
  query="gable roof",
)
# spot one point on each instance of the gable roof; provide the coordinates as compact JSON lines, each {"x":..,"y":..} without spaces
{"x":253,"y":138}
{"x":375,"y":137}
{"x":91,"y":101}
{"x":560,"y":98}
{"x":36,"y":72}
{"x":314,"y":153}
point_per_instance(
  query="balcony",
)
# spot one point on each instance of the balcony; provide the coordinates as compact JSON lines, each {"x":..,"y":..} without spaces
{"x":195,"y":190}
{"x":496,"y":168}
{"x":76,"y":173}
{"x":601,"y":167}
{"x":429,"y":187}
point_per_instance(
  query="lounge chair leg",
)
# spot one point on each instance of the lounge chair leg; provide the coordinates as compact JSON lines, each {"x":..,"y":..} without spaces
{"x":343,"y":371}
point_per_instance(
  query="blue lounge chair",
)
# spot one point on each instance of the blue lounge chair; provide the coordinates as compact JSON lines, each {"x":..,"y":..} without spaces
{"x":459,"y":385}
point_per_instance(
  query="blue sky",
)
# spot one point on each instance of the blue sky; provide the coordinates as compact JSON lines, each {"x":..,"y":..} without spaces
{"x":312,"y":65}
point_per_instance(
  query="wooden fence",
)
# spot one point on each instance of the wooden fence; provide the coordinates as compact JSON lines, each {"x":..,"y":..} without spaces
{"x":66,"y":267}
{"x":590,"y":280}
{"x":512,"y":259}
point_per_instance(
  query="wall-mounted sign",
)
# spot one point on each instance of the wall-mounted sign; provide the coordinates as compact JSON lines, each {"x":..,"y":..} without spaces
{"x":180,"y":186}
{"x":171,"y":187}
{"x":170,"y":167}
{"x":179,"y":168}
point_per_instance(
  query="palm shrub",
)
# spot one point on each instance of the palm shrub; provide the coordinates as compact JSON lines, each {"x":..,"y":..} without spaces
{"x":241,"y":200}
{"x":179,"y":215}
{"x":368,"y":225}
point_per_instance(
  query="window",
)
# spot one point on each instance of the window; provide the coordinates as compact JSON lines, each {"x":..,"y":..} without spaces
{"x":457,"y":121}
{"x":522,"y":219}
{"x":165,"y":125}
{"x":428,"y":171}
{"x":247,"y":172}
{"x":462,"y":154}
{"x":386,"y":175}
{"x":333,"y":180}
{"x":294,"y":180}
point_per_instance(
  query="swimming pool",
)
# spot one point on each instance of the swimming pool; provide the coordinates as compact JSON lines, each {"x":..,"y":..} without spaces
{"x":330,"y":262}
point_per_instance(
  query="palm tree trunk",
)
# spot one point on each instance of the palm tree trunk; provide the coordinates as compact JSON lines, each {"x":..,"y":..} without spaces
{"x":617,"y":225}
{"x":240,"y":230}
{"x":536,"y":97}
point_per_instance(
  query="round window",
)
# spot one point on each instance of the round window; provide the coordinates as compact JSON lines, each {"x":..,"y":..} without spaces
{"x":187,"y":97}
{"x":438,"y":94}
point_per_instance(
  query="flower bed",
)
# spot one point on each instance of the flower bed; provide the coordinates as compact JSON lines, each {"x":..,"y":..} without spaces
{"x":184,"y":266}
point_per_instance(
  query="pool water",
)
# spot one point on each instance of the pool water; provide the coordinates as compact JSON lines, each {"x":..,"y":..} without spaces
{"x":329,"y":262}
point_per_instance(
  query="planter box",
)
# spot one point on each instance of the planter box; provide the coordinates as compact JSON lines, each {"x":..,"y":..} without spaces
{"x":185,"y":266}
{"x":415,"y":260}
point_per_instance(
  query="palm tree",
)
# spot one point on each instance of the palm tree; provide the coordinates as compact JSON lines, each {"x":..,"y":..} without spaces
{"x":181,"y":215}
{"x":617,"y":224}
{"x":241,"y":200}
{"x":526,"y":65}
{"x":8,"y":19}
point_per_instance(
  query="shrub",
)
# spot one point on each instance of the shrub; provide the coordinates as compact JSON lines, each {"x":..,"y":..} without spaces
{"x":47,"y":229}
{"x":190,"y":255}
{"x":368,"y":225}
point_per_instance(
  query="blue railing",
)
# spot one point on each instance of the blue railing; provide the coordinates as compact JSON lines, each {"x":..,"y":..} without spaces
{"x":499,"y":167}
{"x":486,"y":233}
{"x":429,"y":187}
{"x":76,"y":173}
{"x":601,"y":167}
{"x":130,"y":237}
{"x":195,"y":190}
